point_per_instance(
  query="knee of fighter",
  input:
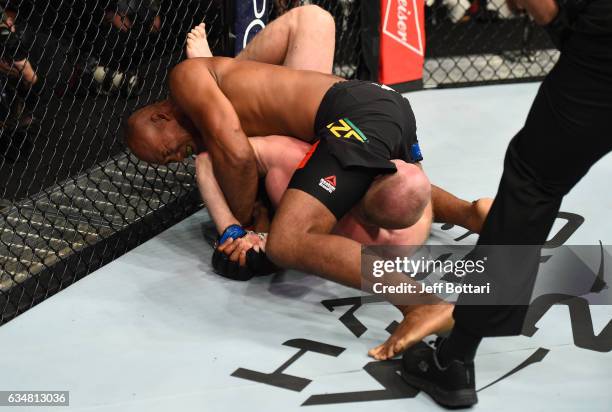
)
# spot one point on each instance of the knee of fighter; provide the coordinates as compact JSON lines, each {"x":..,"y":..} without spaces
{"x":313,"y":16}
{"x":277,"y":248}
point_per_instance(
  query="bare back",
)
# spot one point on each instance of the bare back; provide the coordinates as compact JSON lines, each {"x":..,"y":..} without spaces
{"x":271,"y":99}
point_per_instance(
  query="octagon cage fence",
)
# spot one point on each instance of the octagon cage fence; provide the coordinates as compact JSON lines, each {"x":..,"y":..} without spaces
{"x":72,"y":197}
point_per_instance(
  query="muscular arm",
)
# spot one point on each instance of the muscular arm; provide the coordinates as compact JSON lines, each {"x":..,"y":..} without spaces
{"x":196,"y":93}
{"x":212,"y":194}
{"x":277,"y":155}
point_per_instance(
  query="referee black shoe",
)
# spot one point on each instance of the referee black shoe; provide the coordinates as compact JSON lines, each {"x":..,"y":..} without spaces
{"x":451,"y":386}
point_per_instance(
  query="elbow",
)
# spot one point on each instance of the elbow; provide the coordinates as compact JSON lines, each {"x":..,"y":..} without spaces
{"x":232,"y":146}
{"x":182,"y":69}
{"x":234,"y":156}
{"x":242,"y":159}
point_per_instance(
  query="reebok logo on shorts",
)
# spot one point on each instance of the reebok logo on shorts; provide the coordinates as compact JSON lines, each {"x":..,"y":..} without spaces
{"x":328,"y":183}
{"x":344,"y":128}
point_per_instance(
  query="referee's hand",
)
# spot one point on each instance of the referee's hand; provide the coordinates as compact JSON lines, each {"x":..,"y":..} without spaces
{"x":542,"y":11}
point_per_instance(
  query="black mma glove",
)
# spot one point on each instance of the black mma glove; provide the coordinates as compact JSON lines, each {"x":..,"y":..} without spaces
{"x":257,"y":263}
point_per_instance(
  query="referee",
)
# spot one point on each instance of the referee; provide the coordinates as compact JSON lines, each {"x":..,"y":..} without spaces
{"x":568,"y":129}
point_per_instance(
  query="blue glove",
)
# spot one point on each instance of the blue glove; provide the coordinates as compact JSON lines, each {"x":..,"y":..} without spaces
{"x":222,"y":263}
{"x":233,"y":231}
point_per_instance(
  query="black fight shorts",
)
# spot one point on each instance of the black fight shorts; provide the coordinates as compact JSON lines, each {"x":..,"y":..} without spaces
{"x":360,"y":126}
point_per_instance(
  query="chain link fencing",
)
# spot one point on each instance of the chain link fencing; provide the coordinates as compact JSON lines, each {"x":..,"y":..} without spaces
{"x":72,"y":198}
{"x":482,"y":41}
{"x":468,"y":42}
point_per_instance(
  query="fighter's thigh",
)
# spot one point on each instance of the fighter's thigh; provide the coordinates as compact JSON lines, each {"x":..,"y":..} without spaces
{"x":320,"y":193}
{"x":298,"y":216}
{"x":303,"y":38}
{"x":337,"y":187}
{"x":299,"y":212}
{"x":312,"y":41}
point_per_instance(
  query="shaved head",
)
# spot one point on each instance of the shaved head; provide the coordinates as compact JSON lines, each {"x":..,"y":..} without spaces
{"x":154,"y":134}
{"x":400,"y":199}
{"x":142,"y":135}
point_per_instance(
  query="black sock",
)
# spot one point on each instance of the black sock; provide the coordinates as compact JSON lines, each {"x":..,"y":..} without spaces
{"x":460,"y":345}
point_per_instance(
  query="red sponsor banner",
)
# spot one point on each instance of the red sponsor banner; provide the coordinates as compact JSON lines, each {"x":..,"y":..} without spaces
{"x":402,"y":41}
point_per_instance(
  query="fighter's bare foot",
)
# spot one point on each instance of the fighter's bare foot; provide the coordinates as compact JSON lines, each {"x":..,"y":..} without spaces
{"x":419,"y":322}
{"x":479,"y":212}
{"x":197,"y":43}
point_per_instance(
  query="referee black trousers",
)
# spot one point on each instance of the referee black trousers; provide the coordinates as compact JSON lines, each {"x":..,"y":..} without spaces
{"x":568,"y":129}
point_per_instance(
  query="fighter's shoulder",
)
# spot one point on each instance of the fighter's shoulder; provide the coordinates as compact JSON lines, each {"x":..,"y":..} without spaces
{"x":197,"y":64}
{"x":193,"y":68}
